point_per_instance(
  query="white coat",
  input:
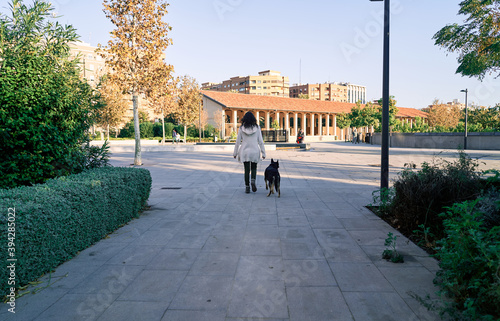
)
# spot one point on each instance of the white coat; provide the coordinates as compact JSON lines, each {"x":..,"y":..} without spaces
{"x":249,"y":145}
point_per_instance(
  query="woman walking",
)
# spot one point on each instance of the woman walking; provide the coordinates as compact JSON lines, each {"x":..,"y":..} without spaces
{"x":249,"y":145}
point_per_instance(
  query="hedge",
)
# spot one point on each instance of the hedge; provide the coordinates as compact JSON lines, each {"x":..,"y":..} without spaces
{"x":57,"y":219}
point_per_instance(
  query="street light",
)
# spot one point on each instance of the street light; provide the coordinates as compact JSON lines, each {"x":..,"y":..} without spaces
{"x":384,"y":166}
{"x":465,"y":134}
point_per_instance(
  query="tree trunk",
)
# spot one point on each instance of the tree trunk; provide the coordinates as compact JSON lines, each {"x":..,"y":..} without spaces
{"x":185,"y":130}
{"x":108,"y":131}
{"x":137,"y":131}
{"x":163,"y":128}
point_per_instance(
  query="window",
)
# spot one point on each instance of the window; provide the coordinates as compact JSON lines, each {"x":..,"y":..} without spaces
{"x":265,"y":87}
{"x":259,"y":87}
{"x":253,"y":81}
{"x":253,"y":87}
{"x":258,"y":81}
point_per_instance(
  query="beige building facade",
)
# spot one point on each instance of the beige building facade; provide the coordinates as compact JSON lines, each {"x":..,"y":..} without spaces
{"x":266,"y":83}
{"x":338,"y":92}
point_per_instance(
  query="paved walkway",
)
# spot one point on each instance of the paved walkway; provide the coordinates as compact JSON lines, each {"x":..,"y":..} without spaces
{"x":207,"y":251}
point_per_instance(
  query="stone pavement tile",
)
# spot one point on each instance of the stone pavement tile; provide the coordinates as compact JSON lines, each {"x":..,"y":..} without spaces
{"x":108,"y":278}
{"x":224,"y":243}
{"x":215,"y":264}
{"x":229,"y":228}
{"x":299,"y":233}
{"x":340,"y":206}
{"x":290,"y":211}
{"x":378,"y":306}
{"x":308,"y":273}
{"x":185,"y":315}
{"x":258,"y":299}
{"x":301,"y":250}
{"x":317,"y":303}
{"x":167,"y":224}
{"x":421,"y":311}
{"x":260,"y":268}
{"x":339,"y":246}
{"x":31,"y":305}
{"x":411,"y":280}
{"x":203,"y":293}
{"x":313,"y":204}
{"x":155,"y":237}
{"x":174,"y":259}
{"x":369,"y":237}
{"x":133,"y":310}
{"x":69,"y":274}
{"x":77,"y":307}
{"x":263,"y":219}
{"x":292,"y":221}
{"x":254,"y":231}
{"x":135,"y":254}
{"x":362,"y":224}
{"x":154,"y":286}
{"x":102,"y":251}
{"x":187,"y":241}
{"x":195,"y":226}
{"x":257,"y":246}
{"x":324,"y":221}
{"x":360,"y":277}
{"x":346,"y":213}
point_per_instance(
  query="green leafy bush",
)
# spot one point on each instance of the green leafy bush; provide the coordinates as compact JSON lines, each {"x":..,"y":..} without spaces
{"x":56,"y":220}
{"x":470,"y":264}
{"x":419,"y":196}
{"x":45,"y":108}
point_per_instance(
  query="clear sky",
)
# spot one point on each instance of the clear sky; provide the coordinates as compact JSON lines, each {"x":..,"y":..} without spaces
{"x":311,"y":41}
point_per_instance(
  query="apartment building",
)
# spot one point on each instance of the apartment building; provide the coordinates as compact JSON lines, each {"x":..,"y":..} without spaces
{"x":267,"y":83}
{"x":91,"y":64}
{"x":338,"y":92}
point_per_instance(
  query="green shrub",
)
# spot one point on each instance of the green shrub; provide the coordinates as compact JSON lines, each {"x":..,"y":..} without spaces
{"x":470,"y":264}
{"x":45,"y":108}
{"x":56,"y":220}
{"x":419,"y":196}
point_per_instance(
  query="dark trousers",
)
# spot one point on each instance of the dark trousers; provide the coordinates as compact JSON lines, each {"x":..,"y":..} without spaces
{"x":250,"y":167}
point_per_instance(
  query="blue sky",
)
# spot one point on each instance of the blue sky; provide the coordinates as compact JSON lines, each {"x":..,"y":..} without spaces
{"x":331,"y":40}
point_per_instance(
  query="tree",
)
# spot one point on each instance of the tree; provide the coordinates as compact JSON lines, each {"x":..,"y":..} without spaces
{"x":303,"y":96}
{"x":477,"y":41}
{"x":162,"y":96}
{"x":393,"y":111}
{"x":45,"y":108}
{"x":202,"y":122}
{"x":219,"y":121}
{"x":485,"y":119}
{"x":443,"y":116}
{"x":363,"y":116}
{"x":189,"y":102}
{"x":137,"y":45}
{"x":343,"y":121}
{"x":114,"y":105}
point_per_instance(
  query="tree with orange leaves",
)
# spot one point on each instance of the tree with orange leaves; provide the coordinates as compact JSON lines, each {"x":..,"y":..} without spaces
{"x":137,"y":45}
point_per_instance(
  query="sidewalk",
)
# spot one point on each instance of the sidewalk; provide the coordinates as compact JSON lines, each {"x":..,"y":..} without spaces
{"x":206,"y":251}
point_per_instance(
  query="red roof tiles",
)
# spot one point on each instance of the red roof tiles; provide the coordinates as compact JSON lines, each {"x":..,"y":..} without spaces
{"x":245,"y":101}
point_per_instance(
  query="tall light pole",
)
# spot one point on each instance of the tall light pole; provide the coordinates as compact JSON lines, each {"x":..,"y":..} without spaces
{"x":465,"y":134}
{"x":384,"y":166}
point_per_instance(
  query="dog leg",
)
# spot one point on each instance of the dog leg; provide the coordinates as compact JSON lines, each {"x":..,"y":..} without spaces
{"x":265,"y":180}
{"x":271,"y":186}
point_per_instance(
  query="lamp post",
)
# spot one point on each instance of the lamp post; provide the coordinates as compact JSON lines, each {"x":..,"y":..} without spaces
{"x":465,"y":134}
{"x":384,"y":166}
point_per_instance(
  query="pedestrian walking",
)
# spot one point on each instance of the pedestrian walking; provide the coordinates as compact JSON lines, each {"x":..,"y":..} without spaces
{"x":248,"y":148}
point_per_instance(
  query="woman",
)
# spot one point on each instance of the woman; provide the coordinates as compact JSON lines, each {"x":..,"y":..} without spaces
{"x":249,"y":145}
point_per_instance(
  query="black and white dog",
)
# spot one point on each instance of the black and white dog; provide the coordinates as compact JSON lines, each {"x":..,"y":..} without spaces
{"x":272,"y":175}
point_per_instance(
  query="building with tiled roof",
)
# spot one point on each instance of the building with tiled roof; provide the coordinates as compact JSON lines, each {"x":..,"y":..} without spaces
{"x":318,"y":119}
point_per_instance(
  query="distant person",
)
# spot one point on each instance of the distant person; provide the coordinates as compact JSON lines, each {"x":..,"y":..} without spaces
{"x":300,"y":137}
{"x":354,"y":135}
{"x":248,"y":148}
{"x":215,"y":138}
{"x":174,"y":135}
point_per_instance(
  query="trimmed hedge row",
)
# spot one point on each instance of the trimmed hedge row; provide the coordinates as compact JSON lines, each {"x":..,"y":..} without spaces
{"x":55,"y":220}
